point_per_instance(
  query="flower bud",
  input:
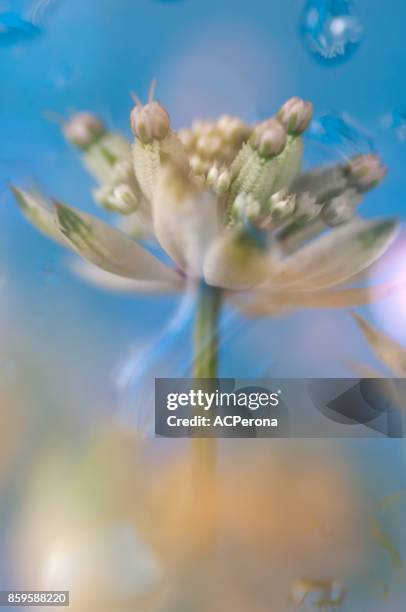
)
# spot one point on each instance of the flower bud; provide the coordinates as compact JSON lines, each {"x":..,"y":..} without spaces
{"x":340,"y":209}
{"x":366,"y":171}
{"x":223,"y":182}
{"x":281,"y":204}
{"x":149,"y":122}
{"x":233,"y":129}
{"x":306,"y":208}
{"x":245,"y":208}
{"x":209,"y":146}
{"x":213,"y":175}
{"x":295,"y":115}
{"x":187,"y":138}
{"x":198,"y":165}
{"x":204,"y":127}
{"x":269,"y":138}
{"x":83,"y":130}
{"x":119,"y":199}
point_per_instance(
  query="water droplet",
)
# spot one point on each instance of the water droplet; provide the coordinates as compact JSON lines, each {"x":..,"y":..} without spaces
{"x":396,"y":121}
{"x":41,"y":9}
{"x":341,"y":132}
{"x":14,"y":29}
{"x":331,"y":29}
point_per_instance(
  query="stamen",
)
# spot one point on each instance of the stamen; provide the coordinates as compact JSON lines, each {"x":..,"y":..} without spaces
{"x":135,"y":98}
{"x":151,"y":93}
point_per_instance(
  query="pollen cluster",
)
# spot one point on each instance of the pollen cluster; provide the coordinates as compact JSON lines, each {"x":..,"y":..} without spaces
{"x":209,"y":141}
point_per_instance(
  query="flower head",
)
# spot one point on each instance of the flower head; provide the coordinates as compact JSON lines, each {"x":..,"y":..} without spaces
{"x":229,"y":204}
{"x":83,"y":130}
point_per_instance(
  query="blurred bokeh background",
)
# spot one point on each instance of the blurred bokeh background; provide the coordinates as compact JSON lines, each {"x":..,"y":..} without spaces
{"x":65,"y":346}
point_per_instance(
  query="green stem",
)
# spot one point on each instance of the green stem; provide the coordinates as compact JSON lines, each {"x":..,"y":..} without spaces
{"x":206,"y":332}
{"x":206,"y":366}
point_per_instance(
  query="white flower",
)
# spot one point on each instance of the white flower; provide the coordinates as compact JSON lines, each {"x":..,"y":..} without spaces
{"x":205,"y":196}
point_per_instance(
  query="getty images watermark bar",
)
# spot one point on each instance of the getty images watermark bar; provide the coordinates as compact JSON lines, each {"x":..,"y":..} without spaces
{"x":307,"y":408}
{"x":34,"y":598}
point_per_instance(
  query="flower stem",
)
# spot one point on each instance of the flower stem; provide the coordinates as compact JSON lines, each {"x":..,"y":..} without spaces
{"x":206,"y":332}
{"x":206,"y":366}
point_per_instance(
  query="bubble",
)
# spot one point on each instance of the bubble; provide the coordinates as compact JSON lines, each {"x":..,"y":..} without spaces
{"x":396,"y":122}
{"x":15,"y":30}
{"x":341,"y":131}
{"x":331,"y":30}
{"x":41,"y":9}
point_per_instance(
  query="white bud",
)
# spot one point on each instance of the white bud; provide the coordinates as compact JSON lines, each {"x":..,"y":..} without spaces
{"x":209,"y":146}
{"x":83,"y":130}
{"x":204,"y":127}
{"x":295,"y":115}
{"x":233,"y":129}
{"x":223,"y":182}
{"x":187,"y":138}
{"x":306,"y":208}
{"x":213,"y":175}
{"x":149,"y":122}
{"x":120,"y":199}
{"x":246,"y":207}
{"x":198,"y":165}
{"x":339,"y":210}
{"x":366,"y":171}
{"x":269,"y":138}
{"x":281,"y":204}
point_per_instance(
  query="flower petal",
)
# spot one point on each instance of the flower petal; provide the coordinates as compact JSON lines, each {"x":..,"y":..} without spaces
{"x":137,"y":225}
{"x":235,"y":261}
{"x":110,"y":249}
{"x":270,"y":302}
{"x":390,"y":352}
{"x":186,"y":218}
{"x":104,"y":154}
{"x":112,"y":282}
{"x":148,"y":160}
{"x":337,"y":256}
{"x":41,"y":214}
